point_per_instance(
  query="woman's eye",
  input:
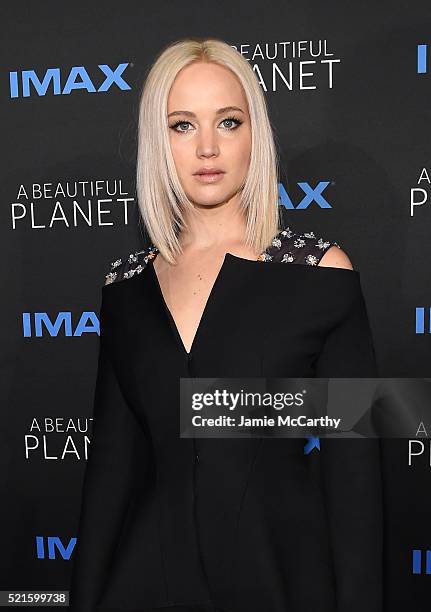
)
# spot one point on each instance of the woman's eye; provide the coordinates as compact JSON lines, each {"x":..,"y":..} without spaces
{"x":176,"y":125}
{"x":232,"y":120}
{"x":232,"y":124}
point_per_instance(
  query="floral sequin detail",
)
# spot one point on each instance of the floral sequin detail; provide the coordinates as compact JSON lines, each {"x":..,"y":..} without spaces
{"x":299,"y":243}
{"x":264,"y":257}
{"x":128,"y":271}
{"x":110,"y":277}
{"x":291,"y":247}
{"x":288,"y":258}
{"x":322,"y":244}
{"x":136,"y":270}
{"x":311,"y":260}
{"x":286,"y":247}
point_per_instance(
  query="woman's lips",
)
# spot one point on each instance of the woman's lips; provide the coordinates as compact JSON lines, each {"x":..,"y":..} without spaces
{"x":209,"y":178}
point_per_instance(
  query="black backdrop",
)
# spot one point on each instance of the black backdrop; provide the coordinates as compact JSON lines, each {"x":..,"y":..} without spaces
{"x":348,"y":86}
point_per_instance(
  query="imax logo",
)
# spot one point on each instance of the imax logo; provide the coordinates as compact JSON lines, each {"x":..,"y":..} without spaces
{"x":422,"y":59}
{"x":423,"y":320}
{"x":46,"y":547}
{"x":311,"y":443}
{"x":35,"y":324}
{"x":421,"y":563}
{"x":312,"y":194}
{"x":78,"y":78}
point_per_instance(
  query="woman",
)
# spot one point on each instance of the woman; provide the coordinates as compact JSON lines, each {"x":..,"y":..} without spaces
{"x":240,"y":525}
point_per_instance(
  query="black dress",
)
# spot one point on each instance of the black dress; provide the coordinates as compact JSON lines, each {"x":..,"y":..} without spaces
{"x":238,"y":525}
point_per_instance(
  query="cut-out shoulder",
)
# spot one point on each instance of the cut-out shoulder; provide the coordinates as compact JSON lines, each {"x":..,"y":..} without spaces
{"x":286,"y":247}
{"x":336,"y":258}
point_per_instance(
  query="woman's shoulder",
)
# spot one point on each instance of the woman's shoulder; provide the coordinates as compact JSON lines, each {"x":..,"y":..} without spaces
{"x":289,"y":246}
{"x":129,"y":265}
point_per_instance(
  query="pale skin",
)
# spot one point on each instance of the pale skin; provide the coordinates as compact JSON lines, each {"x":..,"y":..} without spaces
{"x":205,"y":135}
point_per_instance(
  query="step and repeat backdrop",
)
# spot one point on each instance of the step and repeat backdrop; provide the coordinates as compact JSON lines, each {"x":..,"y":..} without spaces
{"x":348,"y":87}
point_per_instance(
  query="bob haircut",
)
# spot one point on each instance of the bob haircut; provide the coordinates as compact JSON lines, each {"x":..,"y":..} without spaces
{"x":162,"y":200}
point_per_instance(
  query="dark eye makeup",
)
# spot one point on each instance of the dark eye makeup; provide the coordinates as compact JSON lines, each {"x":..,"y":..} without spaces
{"x":235,"y":120}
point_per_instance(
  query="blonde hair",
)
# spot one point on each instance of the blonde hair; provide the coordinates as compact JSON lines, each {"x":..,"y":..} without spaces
{"x":162,"y":200}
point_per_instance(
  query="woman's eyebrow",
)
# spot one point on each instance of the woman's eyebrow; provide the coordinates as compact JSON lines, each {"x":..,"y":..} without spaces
{"x":220,"y":111}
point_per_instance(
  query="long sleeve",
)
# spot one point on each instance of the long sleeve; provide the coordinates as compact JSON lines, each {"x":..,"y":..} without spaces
{"x":350,"y":468}
{"x":108,"y":481}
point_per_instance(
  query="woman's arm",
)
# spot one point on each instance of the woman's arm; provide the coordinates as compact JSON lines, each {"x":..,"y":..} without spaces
{"x":108,"y":481}
{"x":351,"y":468}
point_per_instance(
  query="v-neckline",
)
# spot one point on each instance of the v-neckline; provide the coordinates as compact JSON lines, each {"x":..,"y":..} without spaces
{"x":204,"y":313}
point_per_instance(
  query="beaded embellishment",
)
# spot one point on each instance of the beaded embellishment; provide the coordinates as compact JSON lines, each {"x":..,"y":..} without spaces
{"x":286,"y":247}
{"x":133,"y":258}
{"x":295,"y":243}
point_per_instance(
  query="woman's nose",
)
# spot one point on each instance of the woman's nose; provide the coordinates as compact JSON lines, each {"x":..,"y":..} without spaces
{"x":207,"y":142}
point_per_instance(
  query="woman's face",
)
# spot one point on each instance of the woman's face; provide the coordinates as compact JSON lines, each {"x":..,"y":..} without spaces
{"x":206,"y":133}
